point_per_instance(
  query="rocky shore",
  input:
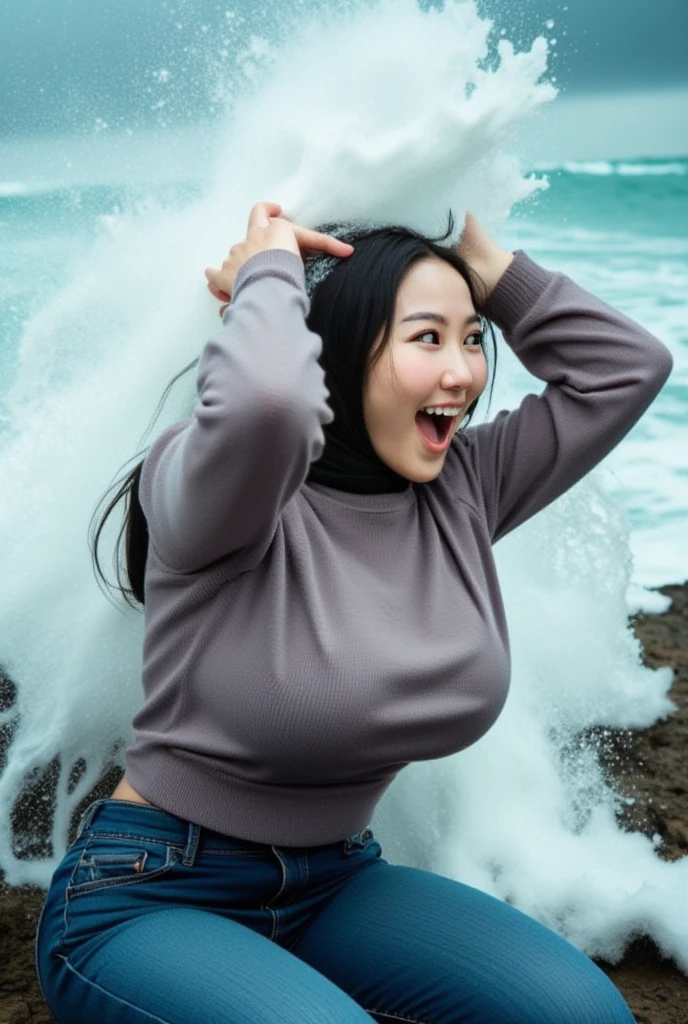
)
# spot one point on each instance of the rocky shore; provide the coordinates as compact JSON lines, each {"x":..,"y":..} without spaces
{"x":650,"y":765}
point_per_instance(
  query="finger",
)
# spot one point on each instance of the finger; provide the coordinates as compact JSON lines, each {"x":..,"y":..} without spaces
{"x":218,"y":293}
{"x":261,"y":213}
{"x":470,"y":234}
{"x":314,"y":241}
{"x":214,"y":279}
{"x":473,"y":228}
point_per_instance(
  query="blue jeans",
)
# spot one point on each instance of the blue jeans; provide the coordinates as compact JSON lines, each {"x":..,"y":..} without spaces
{"x":150,"y":918}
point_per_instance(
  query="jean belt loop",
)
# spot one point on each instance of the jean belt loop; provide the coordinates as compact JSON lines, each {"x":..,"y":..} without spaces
{"x":191,"y":844}
{"x":87,"y":817}
{"x":357,"y":841}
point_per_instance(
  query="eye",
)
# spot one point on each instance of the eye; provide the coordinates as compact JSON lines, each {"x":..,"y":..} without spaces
{"x":427,"y":334}
{"x":476,"y":337}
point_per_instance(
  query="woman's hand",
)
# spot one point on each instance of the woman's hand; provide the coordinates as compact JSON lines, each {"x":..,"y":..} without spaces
{"x":267,"y":230}
{"x":483,"y":255}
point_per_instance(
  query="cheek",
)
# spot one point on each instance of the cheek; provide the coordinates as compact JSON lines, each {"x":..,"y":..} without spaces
{"x":415,"y":377}
{"x":392,"y":386}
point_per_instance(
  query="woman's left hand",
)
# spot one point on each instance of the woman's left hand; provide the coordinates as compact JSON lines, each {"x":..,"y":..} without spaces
{"x":482,"y":254}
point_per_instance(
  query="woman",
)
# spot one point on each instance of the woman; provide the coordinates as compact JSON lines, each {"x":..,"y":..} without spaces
{"x":322,"y":608}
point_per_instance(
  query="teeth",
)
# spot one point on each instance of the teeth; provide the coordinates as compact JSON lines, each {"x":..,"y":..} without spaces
{"x":441,"y":412}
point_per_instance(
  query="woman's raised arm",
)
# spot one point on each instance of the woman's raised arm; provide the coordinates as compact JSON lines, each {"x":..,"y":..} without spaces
{"x":602,"y":371}
{"x":217,"y":483}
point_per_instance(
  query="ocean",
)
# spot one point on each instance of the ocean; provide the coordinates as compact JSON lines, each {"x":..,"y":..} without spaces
{"x":103,"y":300}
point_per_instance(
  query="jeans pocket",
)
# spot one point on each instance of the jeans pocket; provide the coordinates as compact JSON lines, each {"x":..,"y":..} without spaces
{"x":109,"y":861}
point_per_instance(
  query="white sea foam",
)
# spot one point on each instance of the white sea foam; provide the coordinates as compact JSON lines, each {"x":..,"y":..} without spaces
{"x":10,"y":189}
{"x":526,"y":813}
{"x":606,"y":168}
{"x":18,"y":189}
{"x":638,"y":170}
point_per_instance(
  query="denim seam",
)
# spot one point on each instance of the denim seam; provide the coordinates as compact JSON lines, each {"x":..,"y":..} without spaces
{"x":232,"y":853}
{"x":131,"y":838}
{"x":97,"y":885}
{"x":284,"y":878}
{"x":398,"y":1016}
{"x":275,"y":926}
{"x":128,"y":857}
{"x":303,"y":863}
{"x":35,"y":949}
{"x":275,"y":920}
{"x":63,"y":933}
{"x":135,"y":837}
{"x":111,"y":995}
{"x":87,"y":818}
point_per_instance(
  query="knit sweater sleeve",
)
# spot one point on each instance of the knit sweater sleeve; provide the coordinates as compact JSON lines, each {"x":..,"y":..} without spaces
{"x":217,"y":483}
{"x":602,"y":371}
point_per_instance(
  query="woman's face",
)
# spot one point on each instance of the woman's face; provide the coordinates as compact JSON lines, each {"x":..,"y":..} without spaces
{"x":433,"y":357}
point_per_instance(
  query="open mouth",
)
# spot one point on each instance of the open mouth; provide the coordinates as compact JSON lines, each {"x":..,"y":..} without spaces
{"x":435,"y":429}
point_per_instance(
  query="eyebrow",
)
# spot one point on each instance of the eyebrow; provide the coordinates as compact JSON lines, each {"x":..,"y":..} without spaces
{"x":438,"y":318}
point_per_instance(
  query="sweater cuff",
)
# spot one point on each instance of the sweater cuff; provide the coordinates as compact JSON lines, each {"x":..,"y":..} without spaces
{"x":271,"y":263}
{"x":517,"y":290}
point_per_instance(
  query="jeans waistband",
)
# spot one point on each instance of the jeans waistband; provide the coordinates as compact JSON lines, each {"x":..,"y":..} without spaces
{"x":129,"y":819}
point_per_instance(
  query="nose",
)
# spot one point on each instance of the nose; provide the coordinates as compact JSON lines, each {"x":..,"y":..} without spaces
{"x":456,"y":372}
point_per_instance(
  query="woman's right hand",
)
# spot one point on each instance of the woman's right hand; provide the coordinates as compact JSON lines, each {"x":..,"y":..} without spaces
{"x":483,"y":254}
{"x":267,"y":230}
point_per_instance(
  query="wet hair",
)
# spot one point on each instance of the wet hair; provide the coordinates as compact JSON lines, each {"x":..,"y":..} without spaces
{"x":352,"y":300}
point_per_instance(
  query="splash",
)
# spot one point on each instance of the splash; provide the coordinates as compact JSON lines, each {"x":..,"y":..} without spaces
{"x":391,"y":113}
{"x":387,"y":112}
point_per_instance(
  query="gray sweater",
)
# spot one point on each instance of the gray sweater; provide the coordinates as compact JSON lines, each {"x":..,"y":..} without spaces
{"x":304,"y":644}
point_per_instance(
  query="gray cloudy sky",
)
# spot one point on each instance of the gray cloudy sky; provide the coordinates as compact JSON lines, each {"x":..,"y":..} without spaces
{"x":66,"y":63}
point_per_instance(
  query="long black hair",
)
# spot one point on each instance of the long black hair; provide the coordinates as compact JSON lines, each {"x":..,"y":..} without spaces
{"x":133,"y":533}
{"x":351,"y":301}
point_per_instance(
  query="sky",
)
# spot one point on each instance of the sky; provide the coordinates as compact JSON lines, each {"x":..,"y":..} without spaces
{"x":91,"y":89}
{"x":605,"y":45}
{"x":74,"y":66}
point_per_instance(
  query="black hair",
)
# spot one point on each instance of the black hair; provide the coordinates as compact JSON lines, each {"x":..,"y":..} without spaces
{"x":133,"y":533}
{"x":351,"y":301}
